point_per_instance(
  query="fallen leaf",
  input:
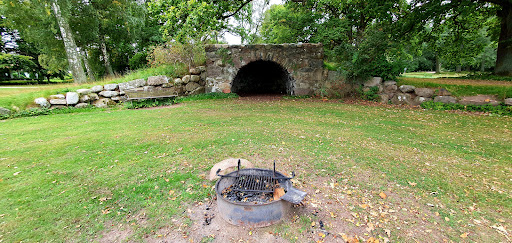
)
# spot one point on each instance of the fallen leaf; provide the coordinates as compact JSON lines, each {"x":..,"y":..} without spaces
{"x":332,"y":215}
{"x":16,"y":173}
{"x":278,"y":193}
{"x":412,"y":183}
{"x":372,"y":240}
{"x":313,"y":224}
{"x":383,"y":195}
{"x":344,"y":237}
{"x":364,"y":206}
{"x":447,"y":219}
{"x":321,"y":235}
{"x":388,"y":232}
{"x":464,"y":236}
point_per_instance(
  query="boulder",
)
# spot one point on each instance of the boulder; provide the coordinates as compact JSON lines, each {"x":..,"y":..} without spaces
{"x":168,"y":85}
{"x":185,"y":79}
{"x":407,"y":88}
{"x":424,"y":92}
{"x":84,"y":99}
{"x":120,"y":98}
{"x":93,"y":96}
{"x":479,"y":100}
{"x":445,"y":99}
{"x":132,"y":84}
{"x":194,"y":71}
{"x":97,"y":88}
{"x":402,"y":99}
{"x":508,"y":101}
{"x":157,"y":80}
{"x":57,"y":96}
{"x":110,"y":87}
{"x":41,"y":101}
{"x":199,"y":90}
{"x":195,"y":78}
{"x":191,"y":86}
{"x":443,"y":92}
{"x":390,"y":89}
{"x":81,"y":105}
{"x":109,"y":94}
{"x":375,"y":81}
{"x":384,"y":98}
{"x":389,"y":83}
{"x":4,"y":111}
{"x":103,"y":102}
{"x":201,"y":69}
{"x":178,"y":81}
{"x":421,"y":99}
{"x":72,"y":98}
{"x":84,"y":91}
{"x":58,"y":101}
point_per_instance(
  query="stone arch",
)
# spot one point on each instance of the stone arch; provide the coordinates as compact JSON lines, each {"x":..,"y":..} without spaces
{"x":262,"y":77}
{"x":302,"y":62}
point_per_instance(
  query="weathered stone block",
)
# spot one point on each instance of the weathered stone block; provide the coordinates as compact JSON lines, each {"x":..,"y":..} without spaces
{"x":81,"y":105}
{"x":185,"y":79}
{"x":57,"y":96}
{"x":85,"y":99}
{"x":157,"y":80}
{"x":194,"y":78}
{"x":402,"y":99}
{"x":443,"y":92}
{"x":93,"y":96}
{"x":424,"y":92}
{"x":84,"y":91}
{"x":132,"y":84}
{"x":420,"y":99}
{"x":72,"y":98}
{"x":445,"y":99}
{"x":103,"y":102}
{"x":508,"y":101}
{"x":191,"y":86}
{"x":110,"y":87}
{"x":109,"y":94}
{"x":479,"y":100}
{"x":4,"y":111}
{"x":97,"y":88}
{"x":58,"y":101}
{"x":407,"y":88}
{"x":375,"y":81}
{"x":42,"y":102}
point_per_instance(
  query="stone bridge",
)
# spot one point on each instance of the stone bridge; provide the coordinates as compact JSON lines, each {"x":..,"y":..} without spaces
{"x":292,"y":69}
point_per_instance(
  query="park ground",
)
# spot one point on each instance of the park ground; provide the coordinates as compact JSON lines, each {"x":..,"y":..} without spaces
{"x":372,"y":172}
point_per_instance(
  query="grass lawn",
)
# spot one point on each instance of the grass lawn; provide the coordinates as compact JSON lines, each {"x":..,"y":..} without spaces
{"x":462,"y":87}
{"x":86,"y":176}
{"x":434,"y":75}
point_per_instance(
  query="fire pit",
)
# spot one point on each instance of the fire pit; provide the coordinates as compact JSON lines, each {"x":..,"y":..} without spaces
{"x":255,"y":197}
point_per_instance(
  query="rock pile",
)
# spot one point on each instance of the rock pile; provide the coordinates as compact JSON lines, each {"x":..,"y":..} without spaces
{"x":410,"y":95}
{"x":111,"y":94}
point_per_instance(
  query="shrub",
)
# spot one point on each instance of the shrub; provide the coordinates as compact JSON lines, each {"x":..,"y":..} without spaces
{"x":138,"y":61}
{"x":175,"y":52}
{"x":372,"y":94}
{"x":149,"y":103}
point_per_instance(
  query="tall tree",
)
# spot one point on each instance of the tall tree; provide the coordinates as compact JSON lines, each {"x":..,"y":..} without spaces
{"x":72,"y":51}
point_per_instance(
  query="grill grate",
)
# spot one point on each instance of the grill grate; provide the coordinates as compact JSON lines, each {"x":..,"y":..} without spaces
{"x":254,"y":183}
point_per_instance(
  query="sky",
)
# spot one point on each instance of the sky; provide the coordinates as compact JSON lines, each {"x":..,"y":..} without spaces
{"x":235,"y":40}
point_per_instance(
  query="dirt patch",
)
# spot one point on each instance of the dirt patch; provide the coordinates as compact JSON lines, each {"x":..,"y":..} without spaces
{"x":116,"y":233}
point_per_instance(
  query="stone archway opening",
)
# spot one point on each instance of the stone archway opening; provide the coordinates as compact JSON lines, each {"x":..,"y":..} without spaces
{"x":262,"y":77}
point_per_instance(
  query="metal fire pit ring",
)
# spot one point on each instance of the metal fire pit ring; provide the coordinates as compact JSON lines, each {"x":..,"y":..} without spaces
{"x":250,"y":214}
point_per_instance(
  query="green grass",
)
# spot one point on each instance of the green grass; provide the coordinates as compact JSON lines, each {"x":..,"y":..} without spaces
{"x":68,"y":177}
{"x":22,"y":96}
{"x":435,"y":75}
{"x":459,"y":88}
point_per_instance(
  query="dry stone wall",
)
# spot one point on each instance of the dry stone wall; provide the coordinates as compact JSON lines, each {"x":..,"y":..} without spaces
{"x":303,"y":62}
{"x":111,"y":94}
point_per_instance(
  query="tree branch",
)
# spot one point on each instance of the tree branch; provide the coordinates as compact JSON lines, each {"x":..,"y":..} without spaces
{"x":236,"y":11}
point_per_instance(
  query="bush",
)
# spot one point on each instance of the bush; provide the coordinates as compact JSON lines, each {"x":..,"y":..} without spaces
{"x":174,"y":53}
{"x":372,"y":94}
{"x":138,"y":61}
{"x":147,"y":103}
{"x":499,"y":109}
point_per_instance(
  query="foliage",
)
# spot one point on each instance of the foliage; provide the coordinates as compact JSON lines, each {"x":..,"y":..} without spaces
{"x":173,"y":53}
{"x":147,"y":103}
{"x":499,"y":109}
{"x":138,"y":61}
{"x":14,"y":62}
{"x":207,"y":96}
{"x":187,"y":20}
{"x":372,"y":94}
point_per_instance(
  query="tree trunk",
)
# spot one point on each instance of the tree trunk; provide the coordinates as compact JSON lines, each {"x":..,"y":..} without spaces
{"x":75,"y":62}
{"x":482,"y":66}
{"x":458,"y":68}
{"x":438,"y":64}
{"x":106,"y":57}
{"x":504,"y":59}
{"x":90,"y":74}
